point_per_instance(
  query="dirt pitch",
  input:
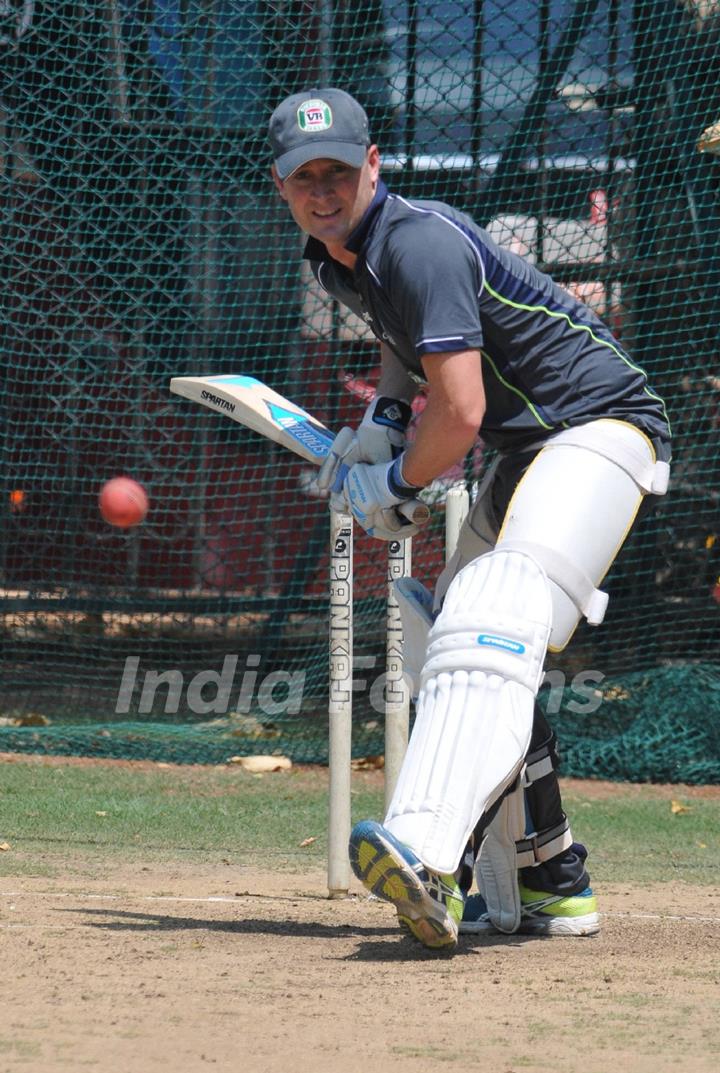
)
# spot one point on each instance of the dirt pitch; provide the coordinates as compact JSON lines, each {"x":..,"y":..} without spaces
{"x":183,"y":968}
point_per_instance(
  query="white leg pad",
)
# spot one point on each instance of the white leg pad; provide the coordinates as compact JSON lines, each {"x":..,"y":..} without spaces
{"x":496,"y":868}
{"x":475,"y":709}
{"x":415,"y":602}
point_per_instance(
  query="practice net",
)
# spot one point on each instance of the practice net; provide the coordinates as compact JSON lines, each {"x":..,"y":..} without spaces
{"x":143,"y":239}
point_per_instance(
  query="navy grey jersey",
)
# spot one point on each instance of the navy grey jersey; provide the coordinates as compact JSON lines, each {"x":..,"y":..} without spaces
{"x":428,"y":280}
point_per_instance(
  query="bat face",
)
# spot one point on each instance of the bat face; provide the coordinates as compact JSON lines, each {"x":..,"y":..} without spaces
{"x":257,"y":406}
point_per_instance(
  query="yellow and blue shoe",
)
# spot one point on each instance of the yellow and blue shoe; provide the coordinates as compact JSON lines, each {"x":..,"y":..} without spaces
{"x":428,"y":904}
{"x":542,"y":914}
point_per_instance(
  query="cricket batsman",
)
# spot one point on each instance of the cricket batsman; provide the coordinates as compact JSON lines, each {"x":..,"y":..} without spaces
{"x":581,"y":440}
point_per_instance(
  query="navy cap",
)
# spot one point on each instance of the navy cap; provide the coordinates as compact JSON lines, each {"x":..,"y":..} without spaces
{"x":318,"y":123}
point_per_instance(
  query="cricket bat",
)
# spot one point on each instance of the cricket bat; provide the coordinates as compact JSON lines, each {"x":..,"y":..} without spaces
{"x":253,"y":404}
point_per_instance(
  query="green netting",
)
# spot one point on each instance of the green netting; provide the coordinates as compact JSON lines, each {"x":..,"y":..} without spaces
{"x":142,"y":239}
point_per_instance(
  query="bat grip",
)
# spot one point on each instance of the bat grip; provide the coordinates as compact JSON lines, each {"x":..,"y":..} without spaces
{"x":414,"y":511}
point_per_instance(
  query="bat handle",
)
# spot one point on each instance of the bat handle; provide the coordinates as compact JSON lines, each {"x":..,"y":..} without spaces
{"x":416,"y":512}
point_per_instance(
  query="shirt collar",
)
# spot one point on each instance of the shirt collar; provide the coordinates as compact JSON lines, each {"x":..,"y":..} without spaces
{"x":317,"y":251}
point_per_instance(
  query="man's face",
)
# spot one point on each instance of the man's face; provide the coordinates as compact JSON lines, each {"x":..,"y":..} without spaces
{"x":328,"y":198}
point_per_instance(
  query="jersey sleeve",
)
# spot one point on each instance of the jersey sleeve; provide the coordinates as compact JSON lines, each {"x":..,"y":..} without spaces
{"x":434,"y":279}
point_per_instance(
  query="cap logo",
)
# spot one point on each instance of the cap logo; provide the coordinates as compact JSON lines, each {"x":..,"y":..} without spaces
{"x":314,"y":116}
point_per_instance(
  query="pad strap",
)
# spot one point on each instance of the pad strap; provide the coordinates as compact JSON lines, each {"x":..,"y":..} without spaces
{"x":548,"y":833}
{"x":543,"y":845}
{"x":567,"y":575}
{"x":651,"y":477}
{"x":537,"y":766}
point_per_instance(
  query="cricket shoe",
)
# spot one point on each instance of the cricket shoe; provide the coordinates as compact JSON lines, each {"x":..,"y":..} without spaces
{"x":541,"y":914}
{"x":428,"y":904}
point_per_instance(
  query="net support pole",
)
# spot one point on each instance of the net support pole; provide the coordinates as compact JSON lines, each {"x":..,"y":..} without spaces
{"x":340,"y":702}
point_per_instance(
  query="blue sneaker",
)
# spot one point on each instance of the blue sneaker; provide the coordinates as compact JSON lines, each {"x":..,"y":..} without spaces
{"x":428,"y":904}
{"x":542,"y":914}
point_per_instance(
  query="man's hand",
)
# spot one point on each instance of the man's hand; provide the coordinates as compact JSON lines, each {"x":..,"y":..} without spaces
{"x":380,"y":437}
{"x":373,"y":494}
{"x":344,"y":453}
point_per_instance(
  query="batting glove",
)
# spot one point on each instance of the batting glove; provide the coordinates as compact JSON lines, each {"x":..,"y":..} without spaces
{"x":373,"y":494}
{"x":381,"y":433}
{"x":343,"y":454}
{"x":380,"y":437}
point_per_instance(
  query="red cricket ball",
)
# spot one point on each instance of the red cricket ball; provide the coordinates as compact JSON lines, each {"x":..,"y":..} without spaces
{"x":123,"y":502}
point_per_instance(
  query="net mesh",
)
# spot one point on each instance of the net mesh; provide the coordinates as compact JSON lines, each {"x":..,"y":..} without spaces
{"x":142,"y":239}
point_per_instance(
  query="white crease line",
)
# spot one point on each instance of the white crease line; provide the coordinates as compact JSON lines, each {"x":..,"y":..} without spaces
{"x":118,"y":897}
{"x":40,"y":927}
{"x":612,"y":913}
{"x":661,"y":916}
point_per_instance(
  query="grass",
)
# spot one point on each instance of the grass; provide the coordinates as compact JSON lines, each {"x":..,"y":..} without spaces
{"x":165,"y":812}
{"x":638,"y":837}
{"x":202,"y":813}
